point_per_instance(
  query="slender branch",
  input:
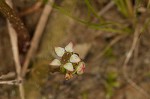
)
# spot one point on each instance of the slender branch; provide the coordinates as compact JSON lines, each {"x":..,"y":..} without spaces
{"x":11,"y":82}
{"x":14,"y":43}
{"x":16,"y":22}
{"x":9,"y":75}
{"x":106,"y":8}
{"x":31,"y":9}
{"x":37,"y":35}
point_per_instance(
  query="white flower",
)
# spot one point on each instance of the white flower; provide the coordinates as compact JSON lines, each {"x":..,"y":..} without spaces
{"x":69,"y":47}
{"x":80,"y":69}
{"x":55,"y":62}
{"x":69,"y":61}
{"x":75,"y":58}
{"x":60,"y":51}
{"x":69,"y":66}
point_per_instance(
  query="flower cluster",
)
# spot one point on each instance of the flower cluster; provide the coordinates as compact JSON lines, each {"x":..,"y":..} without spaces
{"x":68,"y":62}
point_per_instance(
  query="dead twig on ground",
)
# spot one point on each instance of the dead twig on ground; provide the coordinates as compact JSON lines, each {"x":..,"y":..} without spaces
{"x":37,"y":35}
{"x":128,"y":57}
{"x":11,"y":82}
{"x":8,"y":75}
{"x":15,"y":50}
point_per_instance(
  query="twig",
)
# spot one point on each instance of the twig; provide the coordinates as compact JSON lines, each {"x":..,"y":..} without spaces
{"x":9,"y":75}
{"x":106,"y":8}
{"x":128,"y":57}
{"x":11,"y":82}
{"x":14,"y":42}
{"x":37,"y":35}
{"x":32,"y":9}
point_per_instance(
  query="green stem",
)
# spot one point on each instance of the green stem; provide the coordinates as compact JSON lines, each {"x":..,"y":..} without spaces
{"x":11,"y":15}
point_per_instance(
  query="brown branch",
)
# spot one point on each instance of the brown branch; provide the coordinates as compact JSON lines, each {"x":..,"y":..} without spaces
{"x":17,"y":24}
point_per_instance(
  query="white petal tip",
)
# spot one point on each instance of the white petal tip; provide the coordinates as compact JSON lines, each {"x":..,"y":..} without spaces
{"x":69,"y":67}
{"x":75,"y":58}
{"x":55,"y":62}
{"x":59,"y":51}
{"x":69,"y":47}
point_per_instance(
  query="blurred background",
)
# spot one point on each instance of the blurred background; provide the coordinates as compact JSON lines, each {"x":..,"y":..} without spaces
{"x":111,"y":36}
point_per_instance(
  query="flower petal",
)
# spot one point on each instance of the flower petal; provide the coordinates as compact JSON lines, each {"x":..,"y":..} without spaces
{"x":69,"y":66}
{"x":75,"y":58}
{"x":55,"y":62}
{"x":69,"y":47}
{"x":80,"y":69}
{"x":59,"y":51}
